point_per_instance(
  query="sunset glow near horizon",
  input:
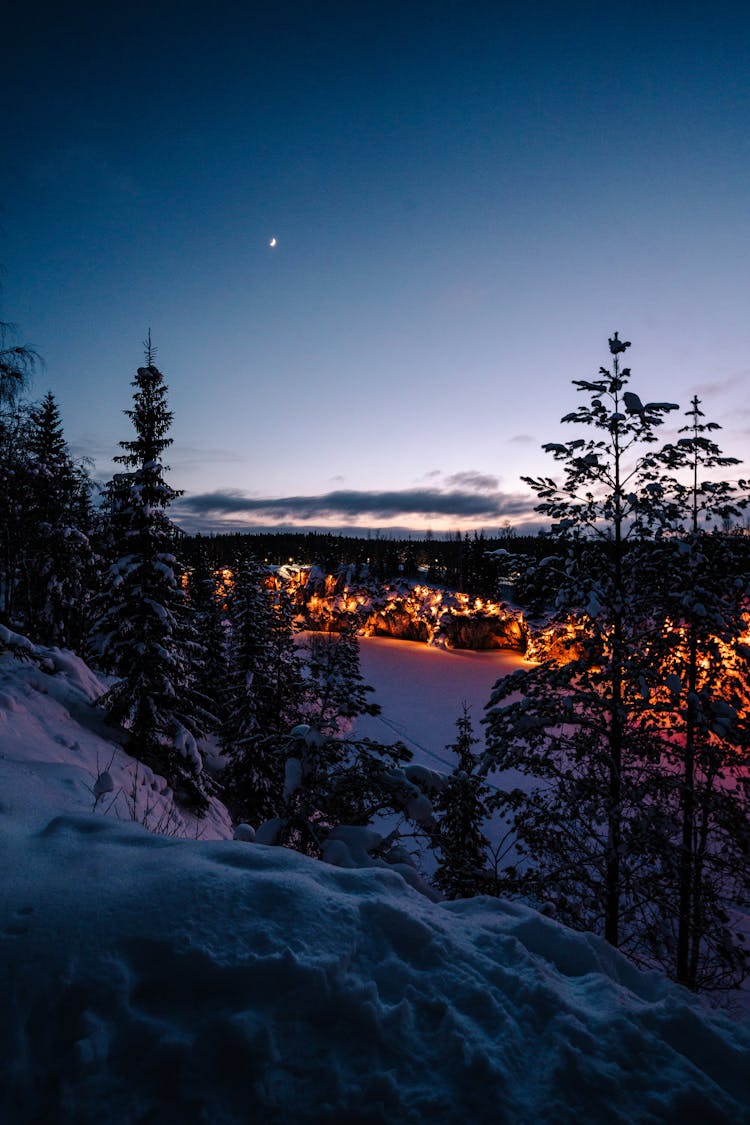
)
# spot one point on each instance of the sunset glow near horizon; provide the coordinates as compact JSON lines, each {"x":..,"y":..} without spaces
{"x":373,"y":245}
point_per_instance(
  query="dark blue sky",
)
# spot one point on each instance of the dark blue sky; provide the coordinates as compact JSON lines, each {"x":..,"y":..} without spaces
{"x":468,"y":199}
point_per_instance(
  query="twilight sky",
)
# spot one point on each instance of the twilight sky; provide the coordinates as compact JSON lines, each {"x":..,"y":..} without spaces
{"x":468,"y":199}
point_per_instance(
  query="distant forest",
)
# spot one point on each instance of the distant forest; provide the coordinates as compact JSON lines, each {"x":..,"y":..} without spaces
{"x":462,"y":562}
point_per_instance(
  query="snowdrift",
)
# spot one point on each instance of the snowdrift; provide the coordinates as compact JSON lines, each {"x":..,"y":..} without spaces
{"x":148,"y":978}
{"x":155,"y":978}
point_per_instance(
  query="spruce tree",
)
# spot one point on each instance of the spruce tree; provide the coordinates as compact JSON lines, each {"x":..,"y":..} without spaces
{"x":253,"y":729}
{"x":19,"y":480}
{"x":59,"y":569}
{"x":330,"y":777}
{"x":329,"y":782}
{"x":289,"y":705}
{"x":17,"y":365}
{"x":461,"y":809}
{"x":145,"y":632}
{"x":281,"y":687}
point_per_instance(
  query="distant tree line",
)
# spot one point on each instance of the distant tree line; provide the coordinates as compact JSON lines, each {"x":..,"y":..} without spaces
{"x":467,"y":562}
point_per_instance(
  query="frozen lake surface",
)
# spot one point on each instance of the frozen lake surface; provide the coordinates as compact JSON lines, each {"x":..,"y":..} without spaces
{"x":421,"y":689}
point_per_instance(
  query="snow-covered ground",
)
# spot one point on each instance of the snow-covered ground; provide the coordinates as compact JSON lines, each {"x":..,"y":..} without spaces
{"x":421,"y":690}
{"x":156,"y":978}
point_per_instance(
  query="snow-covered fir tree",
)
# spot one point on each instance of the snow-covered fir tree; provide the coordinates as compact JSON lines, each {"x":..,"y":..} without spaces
{"x":461,"y":812}
{"x":59,"y":563}
{"x":281,"y":690}
{"x":571,"y":723}
{"x":336,"y":687}
{"x":145,"y":633}
{"x":291,"y":767}
{"x":330,"y":777}
{"x":255,"y":714}
{"x":210,"y":621}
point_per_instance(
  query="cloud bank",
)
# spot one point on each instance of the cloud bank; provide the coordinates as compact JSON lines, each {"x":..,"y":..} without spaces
{"x":351,"y":504}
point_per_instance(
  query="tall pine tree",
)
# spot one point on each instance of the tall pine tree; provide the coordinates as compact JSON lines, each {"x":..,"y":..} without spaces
{"x":16,"y":523}
{"x":212,"y":665}
{"x":571,"y":723}
{"x":145,"y":631}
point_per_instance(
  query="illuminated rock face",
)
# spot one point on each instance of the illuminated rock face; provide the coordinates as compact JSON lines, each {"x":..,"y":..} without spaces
{"x":408,"y":612}
{"x":398,"y":623}
{"x":482,"y":632}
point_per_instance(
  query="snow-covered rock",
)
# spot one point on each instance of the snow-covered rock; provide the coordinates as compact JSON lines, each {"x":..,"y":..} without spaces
{"x":244,"y":832}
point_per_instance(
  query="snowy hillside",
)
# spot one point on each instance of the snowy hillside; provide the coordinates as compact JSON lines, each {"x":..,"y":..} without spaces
{"x":150,"y":977}
{"x":57,"y":753}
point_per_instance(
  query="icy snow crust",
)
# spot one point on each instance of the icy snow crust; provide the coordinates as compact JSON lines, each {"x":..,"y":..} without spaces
{"x":155,"y":978}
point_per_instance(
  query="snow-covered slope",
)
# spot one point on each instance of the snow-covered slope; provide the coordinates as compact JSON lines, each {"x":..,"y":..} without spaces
{"x":154,"y":978}
{"x":58,"y":754}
